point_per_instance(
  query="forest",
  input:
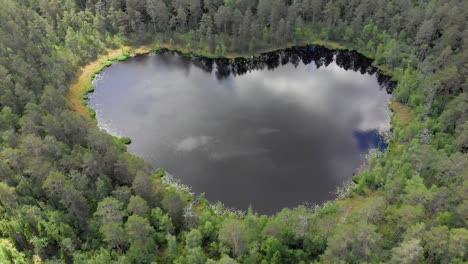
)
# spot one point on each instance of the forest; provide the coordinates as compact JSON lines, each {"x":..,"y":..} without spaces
{"x":70,"y":193}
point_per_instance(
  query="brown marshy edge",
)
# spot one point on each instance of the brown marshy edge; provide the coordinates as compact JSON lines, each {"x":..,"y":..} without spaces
{"x":400,"y":112}
{"x":82,"y":83}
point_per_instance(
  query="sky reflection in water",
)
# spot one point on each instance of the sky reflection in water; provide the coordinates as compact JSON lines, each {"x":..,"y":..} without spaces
{"x":269,"y":138}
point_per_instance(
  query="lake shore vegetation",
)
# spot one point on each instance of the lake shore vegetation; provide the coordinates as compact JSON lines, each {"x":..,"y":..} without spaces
{"x":70,"y":193}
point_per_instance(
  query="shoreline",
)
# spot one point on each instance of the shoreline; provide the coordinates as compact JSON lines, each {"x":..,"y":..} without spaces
{"x":82,"y":83}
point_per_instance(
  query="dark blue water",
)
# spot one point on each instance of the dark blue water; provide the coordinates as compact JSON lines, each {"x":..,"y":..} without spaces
{"x":272,"y":132}
{"x":370,"y":139}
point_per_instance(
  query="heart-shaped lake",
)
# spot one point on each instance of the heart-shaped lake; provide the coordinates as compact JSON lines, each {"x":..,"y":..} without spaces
{"x":271,"y":131}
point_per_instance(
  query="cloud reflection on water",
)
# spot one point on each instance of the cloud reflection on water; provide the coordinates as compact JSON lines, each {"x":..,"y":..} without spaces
{"x":269,"y":138}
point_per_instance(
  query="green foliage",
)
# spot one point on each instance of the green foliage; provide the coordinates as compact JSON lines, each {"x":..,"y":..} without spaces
{"x":125,"y":55}
{"x":138,"y":206}
{"x":174,"y":205}
{"x":193,"y":238}
{"x":408,"y":252}
{"x":125,"y":140}
{"x":233,"y":234}
{"x":9,"y":254}
{"x":70,"y":193}
{"x":353,"y":241}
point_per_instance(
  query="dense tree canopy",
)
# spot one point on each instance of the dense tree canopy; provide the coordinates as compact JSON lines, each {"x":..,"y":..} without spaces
{"x":70,"y":193}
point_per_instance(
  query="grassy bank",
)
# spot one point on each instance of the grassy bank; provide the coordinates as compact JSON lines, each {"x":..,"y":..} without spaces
{"x":82,"y":84}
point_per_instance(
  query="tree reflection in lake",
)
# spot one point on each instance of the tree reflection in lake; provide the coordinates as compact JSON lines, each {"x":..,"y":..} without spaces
{"x":271,"y":131}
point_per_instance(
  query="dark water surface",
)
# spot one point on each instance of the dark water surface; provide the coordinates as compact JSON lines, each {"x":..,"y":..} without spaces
{"x":272,"y":131}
